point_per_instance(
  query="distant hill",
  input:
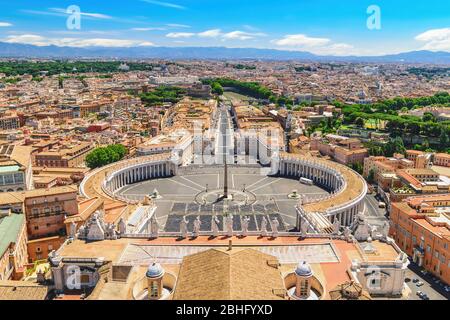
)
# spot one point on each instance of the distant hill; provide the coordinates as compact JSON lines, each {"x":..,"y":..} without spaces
{"x":9,"y":50}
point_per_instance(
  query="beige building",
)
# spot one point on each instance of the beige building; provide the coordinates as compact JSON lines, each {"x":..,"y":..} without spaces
{"x":9,"y":122}
{"x":45,"y":211}
{"x":13,"y":245}
{"x":16,"y":172}
{"x":70,"y":156}
{"x":178,"y":141}
{"x":342,"y":149}
{"x":442,"y":159}
{"x":188,"y":113}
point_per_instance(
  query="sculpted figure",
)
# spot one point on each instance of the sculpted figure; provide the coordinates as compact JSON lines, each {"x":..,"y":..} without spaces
{"x":122,"y":226}
{"x":184,"y":227}
{"x":197,"y":225}
{"x":229,"y":225}
{"x":244,"y":224}
{"x":154,"y":227}
{"x":215,"y":226}
{"x":275,"y":225}
{"x":336,"y":226}
{"x":73,"y":230}
{"x":264,"y":227}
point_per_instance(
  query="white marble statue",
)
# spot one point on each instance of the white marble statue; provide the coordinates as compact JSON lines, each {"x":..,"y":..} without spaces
{"x":73,"y":230}
{"x":275,"y":224}
{"x":197,"y":225}
{"x":122,"y":226}
{"x":184,"y":227}
{"x":336,"y":226}
{"x":229,"y":225}
{"x":264,"y":227}
{"x":363,"y":230}
{"x":215,"y":226}
{"x":111,"y":233}
{"x":347,"y":234}
{"x":154,"y":227}
{"x":385,"y":230}
{"x":245,"y":221}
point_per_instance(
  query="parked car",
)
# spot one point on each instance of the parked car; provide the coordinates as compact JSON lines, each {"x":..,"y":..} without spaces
{"x":419,"y":284}
{"x":415,"y":280}
{"x":425,"y":297}
{"x":419,"y":293}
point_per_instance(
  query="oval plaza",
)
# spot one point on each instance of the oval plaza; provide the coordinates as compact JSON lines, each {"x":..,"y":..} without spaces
{"x":290,"y":226}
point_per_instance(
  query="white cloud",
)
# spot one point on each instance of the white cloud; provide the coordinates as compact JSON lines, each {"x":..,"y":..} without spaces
{"x":216,"y":33}
{"x":435,"y":39}
{"x":250,"y":28}
{"x":301,"y":40}
{"x":74,"y":42}
{"x":177,"y":25}
{"x":241,"y":35}
{"x":213,"y":33}
{"x":336,"y":49}
{"x":5,"y":24}
{"x":176,"y":35}
{"x":321,"y":46}
{"x":148,"y":29}
{"x":165,"y":4}
{"x":85,"y":14}
{"x":60,"y":12}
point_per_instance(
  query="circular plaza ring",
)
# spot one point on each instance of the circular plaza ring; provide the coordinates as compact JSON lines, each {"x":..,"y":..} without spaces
{"x":235,"y":197}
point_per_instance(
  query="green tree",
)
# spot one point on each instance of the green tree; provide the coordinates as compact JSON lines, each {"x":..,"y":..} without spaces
{"x":105,"y":155}
{"x":444,"y":138}
{"x":394,"y":146}
{"x":359,"y":122}
{"x":217,"y":88}
{"x":428,"y":117}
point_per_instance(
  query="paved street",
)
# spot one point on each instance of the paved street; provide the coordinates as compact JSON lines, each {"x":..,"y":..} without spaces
{"x":375,"y":215}
{"x":434,"y":290}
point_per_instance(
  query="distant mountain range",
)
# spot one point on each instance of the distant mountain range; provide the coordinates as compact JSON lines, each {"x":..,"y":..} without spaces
{"x":9,"y":50}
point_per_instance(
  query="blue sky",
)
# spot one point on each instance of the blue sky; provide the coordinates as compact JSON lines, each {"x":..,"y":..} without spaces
{"x":318,"y":26}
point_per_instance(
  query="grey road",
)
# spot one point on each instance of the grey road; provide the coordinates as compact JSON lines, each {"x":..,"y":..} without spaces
{"x":375,"y":216}
{"x":431,"y":286}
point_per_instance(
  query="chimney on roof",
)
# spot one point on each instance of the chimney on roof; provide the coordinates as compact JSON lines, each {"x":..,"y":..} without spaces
{"x":230,"y":245}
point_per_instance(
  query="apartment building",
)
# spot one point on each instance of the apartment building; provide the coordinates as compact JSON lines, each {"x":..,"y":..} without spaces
{"x":441,"y":159}
{"x":180,"y":141}
{"x":64,"y":156}
{"x":421,"y":228}
{"x":255,"y":125}
{"x":189,"y":113}
{"x":13,"y":245}
{"x":16,"y":172}
{"x":342,"y":149}
{"x":421,"y":159}
{"x":9,"y":122}
{"x":45,"y":212}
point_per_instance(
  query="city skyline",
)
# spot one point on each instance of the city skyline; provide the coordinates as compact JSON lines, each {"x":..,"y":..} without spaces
{"x":322,"y":28}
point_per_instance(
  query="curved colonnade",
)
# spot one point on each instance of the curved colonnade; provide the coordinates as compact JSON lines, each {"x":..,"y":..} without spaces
{"x":314,"y":214}
{"x":345,"y":201}
{"x":106,"y":182}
